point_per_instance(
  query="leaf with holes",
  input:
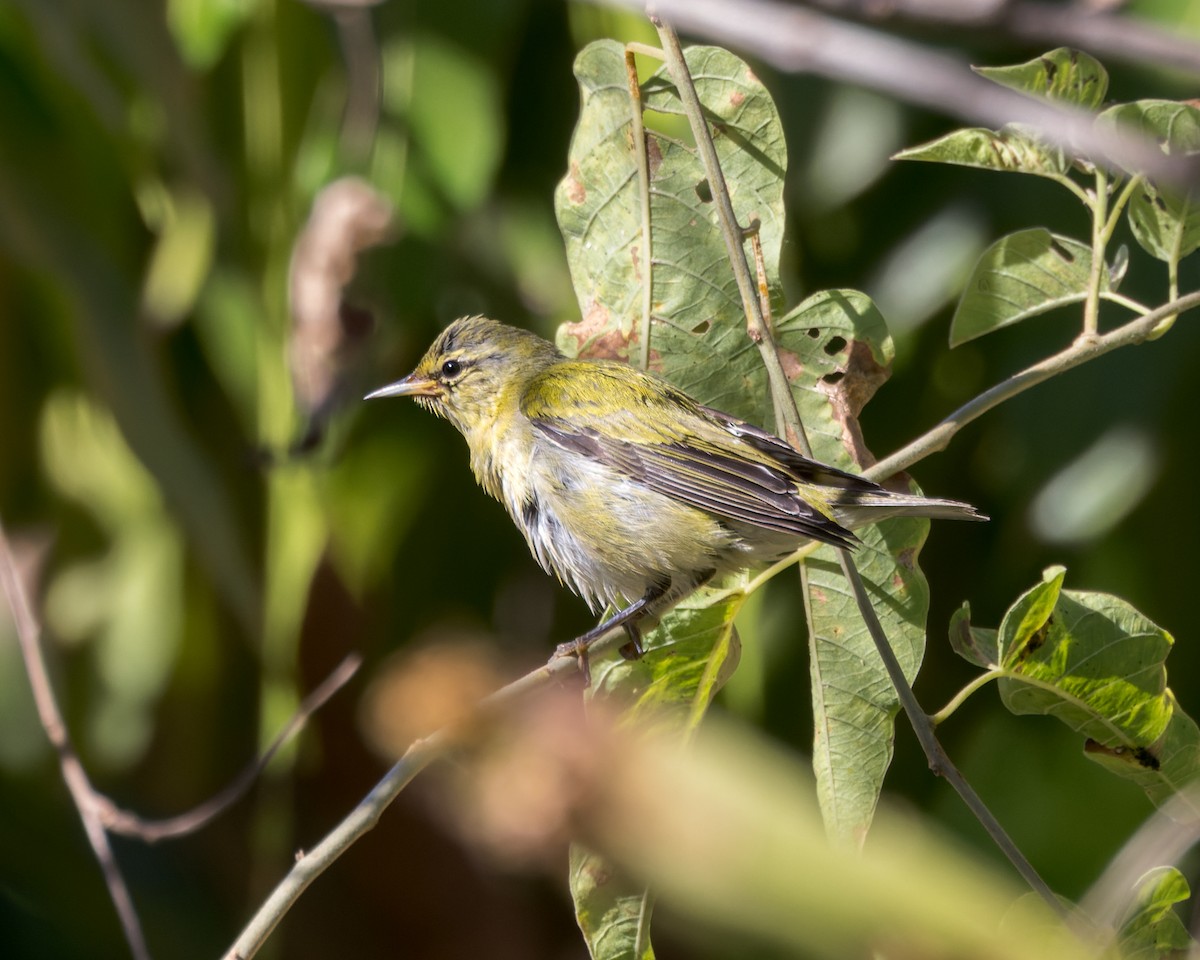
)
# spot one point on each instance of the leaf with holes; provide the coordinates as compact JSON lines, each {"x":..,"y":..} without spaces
{"x":1014,"y":149}
{"x":1020,"y":276}
{"x":1066,"y":75}
{"x":697,"y":333}
{"x":1166,"y":223}
{"x":837,"y":352}
{"x":1098,"y":665}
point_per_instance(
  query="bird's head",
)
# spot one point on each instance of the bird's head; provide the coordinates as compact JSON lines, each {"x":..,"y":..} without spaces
{"x":473,"y":369}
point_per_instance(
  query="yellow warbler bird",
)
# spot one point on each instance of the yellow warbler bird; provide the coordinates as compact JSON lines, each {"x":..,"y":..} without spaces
{"x":628,"y":490}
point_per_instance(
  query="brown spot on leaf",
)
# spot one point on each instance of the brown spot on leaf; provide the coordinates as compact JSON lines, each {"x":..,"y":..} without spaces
{"x":792,"y":367}
{"x":1142,"y":756}
{"x":634,"y":252}
{"x":737,"y":98}
{"x":654,"y":156}
{"x":1035,"y":641}
{"x":596,"y":337}
{"x":818,"y":595}
{"x":907,"y":558}
{"x":859,"y":377}
{"x":576,"y":191}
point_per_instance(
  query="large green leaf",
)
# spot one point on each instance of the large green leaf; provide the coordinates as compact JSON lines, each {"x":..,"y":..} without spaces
{"x":1019,"y":276}
{"x":1089,"y":659}
{"x":854,"y":702}
{"x":697,"y":336}
{"x":837,"y":353}
{"x":1066,"y":75}
{"x":1165,"y":222}
{"x":1098,"y":665}
{"x":1151,"y":929}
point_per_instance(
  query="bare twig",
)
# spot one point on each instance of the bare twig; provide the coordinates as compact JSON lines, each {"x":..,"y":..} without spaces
{"x":129,"y":824}
{"x":643,"y":167}
{"x":73,"y":774}
{"x":939,"y":761}
{"x":1081,"y":351}
{"x":99,"y":814}
{"x":796,"y":39}
{"x":360,"y":821}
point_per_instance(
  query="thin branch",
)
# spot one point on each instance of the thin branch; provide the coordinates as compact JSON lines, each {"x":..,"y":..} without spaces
{"x":1099,"y":211}
{"x":937,"y":719}
{"x":939,"y":761}
{"x":73,"y":773}
{"x":363,"y":818}
{"x":129,"y":824}
{"x":796,"y":39}
{"x":788,"y":419}
{"x":1081,"y":351}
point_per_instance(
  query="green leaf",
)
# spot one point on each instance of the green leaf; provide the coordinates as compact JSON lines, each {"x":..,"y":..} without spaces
{"x":1098,"y":665}
{"x":607,"y":906}
{"x":1165,"y":223}
{"x":854,"y":702}
{"x":1163,"y":769}
{"x":1066,"y":75}
{"x":837,"y":351}
{"x":687,"y":658}
{"x":1151,"y":929}
{"x":974,"y":644}
{"x":1019,"y":276}
{"x":1089,"y":659}
{"x":1012,"y":149}
{"x":697,"y":333}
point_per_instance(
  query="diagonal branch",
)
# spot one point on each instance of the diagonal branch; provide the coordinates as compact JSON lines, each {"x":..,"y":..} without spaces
{"x":73,"y":773}
{"x":1084,"y":348}
{"x":363,"y":818}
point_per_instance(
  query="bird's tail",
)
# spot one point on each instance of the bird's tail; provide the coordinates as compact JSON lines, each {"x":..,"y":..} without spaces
{"x":862,"y":507}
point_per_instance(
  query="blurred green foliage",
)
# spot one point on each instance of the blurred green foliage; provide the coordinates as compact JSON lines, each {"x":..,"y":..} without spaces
{"x":197,"y":577}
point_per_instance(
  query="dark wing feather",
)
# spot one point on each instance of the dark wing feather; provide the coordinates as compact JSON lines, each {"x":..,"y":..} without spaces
{"x":660,"y":437}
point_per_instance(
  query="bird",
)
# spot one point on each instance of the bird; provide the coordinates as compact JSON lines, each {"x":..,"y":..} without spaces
{"x":629,"y":491}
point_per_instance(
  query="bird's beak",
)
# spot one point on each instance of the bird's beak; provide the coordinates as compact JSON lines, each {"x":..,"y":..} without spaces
{"x":410,"y":386}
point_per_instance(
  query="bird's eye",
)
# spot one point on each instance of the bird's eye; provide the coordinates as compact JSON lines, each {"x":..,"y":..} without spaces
{"x":451,"y":368}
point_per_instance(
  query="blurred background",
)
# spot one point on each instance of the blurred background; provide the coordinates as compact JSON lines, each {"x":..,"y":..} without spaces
{"x":211,"y":520}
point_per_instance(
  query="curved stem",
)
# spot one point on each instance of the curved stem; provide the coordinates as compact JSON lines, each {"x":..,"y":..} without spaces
{"x":1128,"y":302}
{"x":757,"y":327}
{"x":71,"y":767}
{"x":363,"y":818}
{"x":961,"y":697}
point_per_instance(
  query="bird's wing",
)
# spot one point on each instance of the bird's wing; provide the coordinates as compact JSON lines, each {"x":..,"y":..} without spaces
{"x":661,"y":438}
